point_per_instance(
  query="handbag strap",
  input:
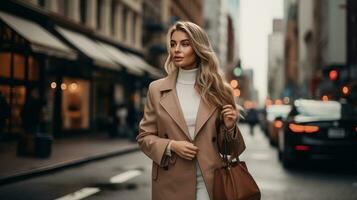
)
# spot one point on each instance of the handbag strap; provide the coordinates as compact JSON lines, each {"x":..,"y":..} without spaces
{"x":226,"y":148}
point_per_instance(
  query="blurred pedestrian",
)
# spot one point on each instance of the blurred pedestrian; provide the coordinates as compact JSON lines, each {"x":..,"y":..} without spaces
{"x":31,"y":112}
{"x":4,"y":114}
{"x":178,"y":128}
{"x":114,"y":122}
{"x":252,"y":119}
{"x":122,"y":114}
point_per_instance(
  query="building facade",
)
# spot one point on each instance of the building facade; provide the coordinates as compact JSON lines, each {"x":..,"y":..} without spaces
{"x":276,"y":60}
{"x":84,"y":57}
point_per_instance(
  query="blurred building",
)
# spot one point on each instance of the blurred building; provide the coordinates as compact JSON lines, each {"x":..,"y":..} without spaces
{"x":215,"y":13}
{"x":245,"y":89}
{"x":276,"y":60}
{"x":158,"y":16}
{"x":221,"y":25}
{"x":291,"y":88}
{"x":156,"y":20}
{"x":306,"y":47}
{"x":331,"y":49}
{"x":320,"y":49}
{"x":352,"y":50}
{"x":85,"y":57}
{"x":186,"y":10}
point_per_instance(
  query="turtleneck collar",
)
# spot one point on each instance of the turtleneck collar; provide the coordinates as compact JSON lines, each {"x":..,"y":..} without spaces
{"x":187,"y":76}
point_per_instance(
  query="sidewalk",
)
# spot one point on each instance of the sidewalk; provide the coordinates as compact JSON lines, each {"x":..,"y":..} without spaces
{"x":65,"y":152}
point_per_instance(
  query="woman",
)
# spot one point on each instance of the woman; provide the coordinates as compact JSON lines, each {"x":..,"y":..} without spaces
{"x":178,"y":129}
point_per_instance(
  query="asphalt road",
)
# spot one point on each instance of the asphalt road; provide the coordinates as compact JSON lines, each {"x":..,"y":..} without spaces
{"x":127,"y":177}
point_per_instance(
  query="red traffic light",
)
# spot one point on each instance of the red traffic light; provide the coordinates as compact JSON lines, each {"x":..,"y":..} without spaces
{"x":333,"y":75}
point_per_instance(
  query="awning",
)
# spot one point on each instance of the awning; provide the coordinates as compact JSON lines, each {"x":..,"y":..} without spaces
{"x":142,"y":64}
{"x":89,"y":47}
{"x":40,"y":39}
{"x":122,"y":58}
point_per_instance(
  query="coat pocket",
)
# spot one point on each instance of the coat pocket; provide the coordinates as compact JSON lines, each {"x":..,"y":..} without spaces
{"x":173,"y":158}
{"x":155,"y":171}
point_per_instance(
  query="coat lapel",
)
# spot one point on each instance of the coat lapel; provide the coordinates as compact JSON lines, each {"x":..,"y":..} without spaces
{"x":204,"y":113}
{"x":169,"y":101}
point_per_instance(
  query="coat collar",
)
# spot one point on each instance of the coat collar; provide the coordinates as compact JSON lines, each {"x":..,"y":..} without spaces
{"x":170,"y":103}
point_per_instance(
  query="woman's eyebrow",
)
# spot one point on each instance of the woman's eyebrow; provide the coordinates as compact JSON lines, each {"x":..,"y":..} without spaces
{"x":184,"y":40}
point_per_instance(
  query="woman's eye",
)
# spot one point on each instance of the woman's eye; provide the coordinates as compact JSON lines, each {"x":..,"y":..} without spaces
{"x":185,"y":44}
{"x":172,"y":44}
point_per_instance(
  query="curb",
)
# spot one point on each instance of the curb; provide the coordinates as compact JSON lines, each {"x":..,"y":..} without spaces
{"x":62,"y":165}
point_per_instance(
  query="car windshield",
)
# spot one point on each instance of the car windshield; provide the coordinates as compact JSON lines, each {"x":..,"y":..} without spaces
{"x":313,"y":110}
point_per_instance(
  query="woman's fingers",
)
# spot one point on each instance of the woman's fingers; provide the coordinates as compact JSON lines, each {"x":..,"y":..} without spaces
{"x":230,"y":116}
{"x":227,"y":106}
{"x":229,"y":110}
{"x":192,"y":148}
{"x":187,"y":156}
{"x":190,"y":152}
{"x":186,"y":150}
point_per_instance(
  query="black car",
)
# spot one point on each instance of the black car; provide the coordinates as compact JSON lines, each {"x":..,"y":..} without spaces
{"x":318,"y":130}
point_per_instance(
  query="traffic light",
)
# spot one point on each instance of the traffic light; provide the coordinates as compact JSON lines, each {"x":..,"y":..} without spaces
{"x":333,"y":75}
{"x":237,"y":71}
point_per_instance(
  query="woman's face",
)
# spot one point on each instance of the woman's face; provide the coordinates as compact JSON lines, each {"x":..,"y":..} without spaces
{"x":182,"y":53}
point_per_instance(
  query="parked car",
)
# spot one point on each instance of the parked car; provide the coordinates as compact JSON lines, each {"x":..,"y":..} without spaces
{"x":317,"y":130}
{"x":276,"y":116}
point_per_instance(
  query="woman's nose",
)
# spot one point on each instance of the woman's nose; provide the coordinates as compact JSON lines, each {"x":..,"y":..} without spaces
{"x":178,"y":48}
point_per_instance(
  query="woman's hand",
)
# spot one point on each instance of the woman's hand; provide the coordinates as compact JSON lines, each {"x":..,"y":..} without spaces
{"x":230,"y":116}
{"x":184,"y":149}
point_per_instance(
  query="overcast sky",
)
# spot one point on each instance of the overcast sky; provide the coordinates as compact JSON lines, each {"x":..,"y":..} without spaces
{"x":255,"y":25}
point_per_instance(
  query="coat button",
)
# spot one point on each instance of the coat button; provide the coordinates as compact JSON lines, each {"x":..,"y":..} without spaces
{"x":213,"y":139}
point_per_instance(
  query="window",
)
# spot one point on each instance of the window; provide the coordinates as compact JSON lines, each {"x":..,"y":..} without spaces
{"x":83,"y":11}
{"x":75,"y":103}
{"x":133,"y":28}
{"x":63,"y":7}
{"x":19,"y":67}
{"x":113,"y":20}
{"x":33,"y":70}
{"x":99,"y":9}
{"x":41,"y":3}
{"x":5,"y":62}
{"x":125,"y":17}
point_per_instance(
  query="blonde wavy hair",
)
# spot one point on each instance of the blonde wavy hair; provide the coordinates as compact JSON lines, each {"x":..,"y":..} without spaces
{"x":210,"y":81}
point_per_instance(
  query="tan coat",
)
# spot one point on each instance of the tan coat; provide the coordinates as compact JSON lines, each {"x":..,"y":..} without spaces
{"x":175,"y":178}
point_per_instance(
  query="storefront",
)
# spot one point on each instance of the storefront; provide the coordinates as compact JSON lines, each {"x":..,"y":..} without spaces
{"x":24,"y":51}
{"x":17,"y":73}
{"x":81,"y":79}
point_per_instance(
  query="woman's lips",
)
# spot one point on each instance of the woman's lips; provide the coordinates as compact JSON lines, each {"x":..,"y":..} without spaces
{"x":178,"y":58}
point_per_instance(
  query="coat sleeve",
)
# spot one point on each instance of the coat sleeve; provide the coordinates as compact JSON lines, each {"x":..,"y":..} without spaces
{"x":235,"y":139}
{"x":149,"y":141}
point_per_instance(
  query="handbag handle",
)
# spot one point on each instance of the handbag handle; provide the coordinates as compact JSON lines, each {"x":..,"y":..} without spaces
{"x":226,"y":149}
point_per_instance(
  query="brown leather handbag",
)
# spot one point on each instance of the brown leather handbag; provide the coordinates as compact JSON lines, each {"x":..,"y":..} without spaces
{"x":233,"y":181}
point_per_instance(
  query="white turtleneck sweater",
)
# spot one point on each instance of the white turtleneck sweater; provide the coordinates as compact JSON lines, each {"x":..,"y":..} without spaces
{"x":188,"y":97}
{"x":189,"y":100}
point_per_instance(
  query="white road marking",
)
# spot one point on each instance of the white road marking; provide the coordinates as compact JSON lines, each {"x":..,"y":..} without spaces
{"x":121,"y":178}
{"x":88,"y":191}
{"x":80,"y":194}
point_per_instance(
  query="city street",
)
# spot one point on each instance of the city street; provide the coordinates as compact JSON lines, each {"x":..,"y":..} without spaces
{"x":127,"y":177}
{"x":80,"y":80}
